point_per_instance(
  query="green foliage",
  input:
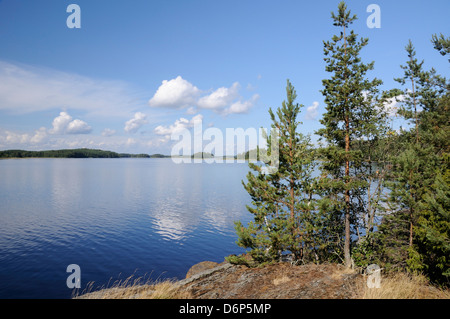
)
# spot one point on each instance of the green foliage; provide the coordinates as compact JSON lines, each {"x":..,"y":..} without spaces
{"x":67,"y":153}
{"x":432,"y":229}
{"x":202,"y":155}
{"x":441,"y":44}
{"x":365,"y":251}
{"x":286,"y":219}
{"x":70,"y":153}
{"x":415,"y":232}
{"x":353,"y":123}
{"x":346,"y":211}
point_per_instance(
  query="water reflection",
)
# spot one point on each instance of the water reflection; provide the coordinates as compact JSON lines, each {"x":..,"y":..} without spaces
{"x":112,"y":216}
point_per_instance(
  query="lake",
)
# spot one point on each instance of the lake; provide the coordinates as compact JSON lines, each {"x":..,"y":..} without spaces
{"x":114,"y":218}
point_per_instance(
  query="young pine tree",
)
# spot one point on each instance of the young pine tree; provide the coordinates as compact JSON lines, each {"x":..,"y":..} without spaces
{"x":413,"y":168}
{"x":350,"y":116}
{"x":419,"y":177}
{"x":282,"y":199}
{"x":432,"y":227}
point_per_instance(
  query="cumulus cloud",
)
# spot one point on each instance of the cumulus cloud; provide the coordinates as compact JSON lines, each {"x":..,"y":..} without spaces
{"x":220,"y":98}
{"x":64,"y":124}
{"x":15,"y":138}
{"x":176,"y":93}
{"x":179,"y":126}
{"x":39,"y":136}
{"x":133,"y":125}
{"x":241,"y":107}
{"x":179,"y":93}
{"x":312,"y":111}
{"x":78,"y":127}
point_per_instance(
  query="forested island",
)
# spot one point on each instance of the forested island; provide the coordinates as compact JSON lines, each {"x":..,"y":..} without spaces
{"x":96,"y":153}
{"x":74,"y":153}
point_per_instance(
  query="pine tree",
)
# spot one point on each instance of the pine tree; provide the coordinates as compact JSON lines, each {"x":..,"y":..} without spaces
{"x":413,"y":169}
{"x":283,"y":201}
{"x":432,"y":230}
{"x":441,"y":44}
{"x":417,"y":185}
{"x":414,"y":74}
{"x":350,"y":116}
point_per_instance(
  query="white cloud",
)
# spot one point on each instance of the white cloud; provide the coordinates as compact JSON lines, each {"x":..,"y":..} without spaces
{"x":136,"y":122}
{"x":179,"y":126}
{"x":27,"y":89}
{"x":220,"y":98}
{"x":179,"y":93}
{"x":191,"y":111}
{"x":108,"y":132}
{"x":60,"y":123}
{"x":39,"y":136}
{"x":78,"y":127}
{"x":41,"y":140}
{"x":312,"y":111}
{"x":63,"y":124}
{"x":130,"y":141}
{"x":241,"y":107}
{"x":391,"y":107}
{"x":15,"y":138}
{"x":176,"y":93}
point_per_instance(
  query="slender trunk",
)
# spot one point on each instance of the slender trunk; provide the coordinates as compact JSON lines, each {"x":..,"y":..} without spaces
{"x":294,"y":230}
{"x":292,"y":180}
{"x":411,"y":213}
{"x":411,"y":227}
{"x":415,"y":107}
{"x":347,"y":257}
{"x":411,"y":210}
{"x":415,"y":110}
{"x":347,"y":198}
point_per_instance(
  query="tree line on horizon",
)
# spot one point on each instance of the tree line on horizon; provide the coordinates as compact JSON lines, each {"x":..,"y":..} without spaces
{"x":71,"y":153}
{"x":382,"y":196}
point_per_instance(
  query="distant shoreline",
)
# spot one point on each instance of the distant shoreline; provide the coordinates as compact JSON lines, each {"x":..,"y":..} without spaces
{"x":96,"y":153}
{"x":72,"y":153}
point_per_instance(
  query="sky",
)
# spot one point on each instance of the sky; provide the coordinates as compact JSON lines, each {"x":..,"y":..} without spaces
{"x":135,"y":72}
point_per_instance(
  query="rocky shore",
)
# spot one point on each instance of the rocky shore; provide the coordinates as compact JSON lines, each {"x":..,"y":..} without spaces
{"x":210,"y":280}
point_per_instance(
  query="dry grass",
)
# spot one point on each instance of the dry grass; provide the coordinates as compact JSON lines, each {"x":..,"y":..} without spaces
{"x":135,"y":289}
{"x":281,"y":280}
{"x":404,"y":286}
{"x":394,"y":286}
{"x":340,"y":271}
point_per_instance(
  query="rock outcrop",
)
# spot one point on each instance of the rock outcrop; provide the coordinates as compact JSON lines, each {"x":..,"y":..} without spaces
{"x":210,"y":280}
{"x":277,"y":281}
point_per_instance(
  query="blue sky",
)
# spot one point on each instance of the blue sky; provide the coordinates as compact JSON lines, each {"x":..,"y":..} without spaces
{"x":137,"y":71}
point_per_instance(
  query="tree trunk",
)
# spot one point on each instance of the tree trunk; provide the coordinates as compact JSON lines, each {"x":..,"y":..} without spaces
{"x":347,"y":258}
{"x":348,"y":262}
{"x":415,"y":107}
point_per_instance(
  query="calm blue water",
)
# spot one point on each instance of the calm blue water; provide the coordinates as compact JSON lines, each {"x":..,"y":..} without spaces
{"x":114,"y":218}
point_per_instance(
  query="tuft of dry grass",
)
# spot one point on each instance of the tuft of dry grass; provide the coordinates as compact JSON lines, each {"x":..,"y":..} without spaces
{"x":340,"y":271}
{"x":134,"y":289}
{"x":281,"y":280}
{"x":404,"y":286}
